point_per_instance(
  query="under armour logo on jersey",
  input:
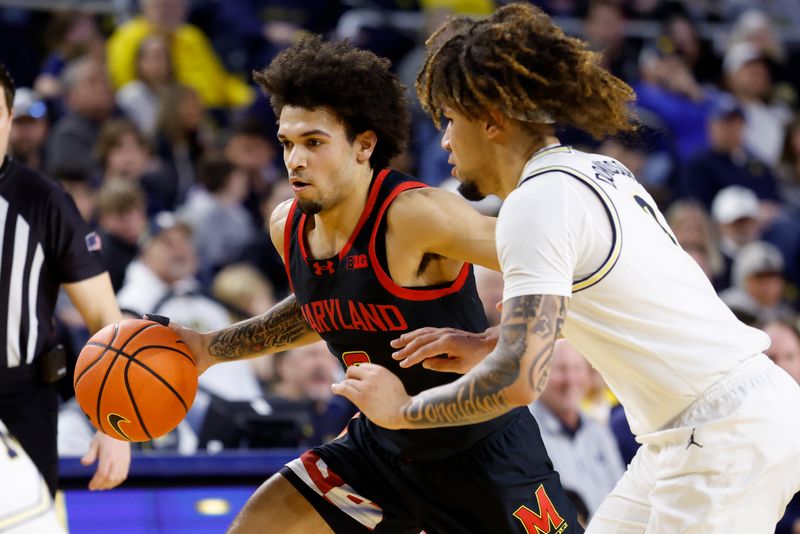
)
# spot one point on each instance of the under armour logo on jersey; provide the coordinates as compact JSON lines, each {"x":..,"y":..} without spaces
{"x":358,"y":261}
{"x":321,"y":267}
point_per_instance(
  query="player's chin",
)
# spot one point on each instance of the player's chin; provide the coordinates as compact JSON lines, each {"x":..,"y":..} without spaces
{"x":470,"y":190}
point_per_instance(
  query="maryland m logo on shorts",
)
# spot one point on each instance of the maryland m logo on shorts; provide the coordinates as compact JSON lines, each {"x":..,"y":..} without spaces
{"x":546,"y":521}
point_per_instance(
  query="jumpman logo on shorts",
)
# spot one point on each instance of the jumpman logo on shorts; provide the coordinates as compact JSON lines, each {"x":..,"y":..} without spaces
{"x":692,"y":441}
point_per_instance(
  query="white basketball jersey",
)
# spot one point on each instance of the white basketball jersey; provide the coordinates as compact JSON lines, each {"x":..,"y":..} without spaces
{"x":645,"y":316}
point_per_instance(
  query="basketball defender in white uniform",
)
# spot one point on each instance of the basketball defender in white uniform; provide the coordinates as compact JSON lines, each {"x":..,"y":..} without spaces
{"x":25,"y":504}
{"x":586,"y":254}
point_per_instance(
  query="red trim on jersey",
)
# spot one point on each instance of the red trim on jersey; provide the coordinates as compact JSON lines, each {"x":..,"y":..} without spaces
{"x":301,"y":236}
{"x":373,"y":195}
{"x":287,"y":240}
{"x":386,"y":281}
{"x":375,"y":188}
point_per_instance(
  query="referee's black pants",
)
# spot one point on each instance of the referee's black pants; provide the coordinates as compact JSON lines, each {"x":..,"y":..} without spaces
{"x":30,"y":411}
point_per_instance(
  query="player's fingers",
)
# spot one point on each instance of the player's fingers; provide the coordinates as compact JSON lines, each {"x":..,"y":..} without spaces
{"x":347,"y":388}
{"x":429,"y":348}
{"x":417,"y":344}
{"x":408,"y":337}
{"x":499,"y":306}
{"x":100,"y":480}
{"x":91,"y":454}
{"x":361,"y":371}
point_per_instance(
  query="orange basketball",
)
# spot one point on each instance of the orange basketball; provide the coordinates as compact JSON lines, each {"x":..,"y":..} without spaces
{"x":135,"y":380}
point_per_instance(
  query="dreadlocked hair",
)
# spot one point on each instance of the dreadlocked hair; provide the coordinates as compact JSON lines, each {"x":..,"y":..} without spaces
{"x":521,"y":64}
{"x":355,"y":85}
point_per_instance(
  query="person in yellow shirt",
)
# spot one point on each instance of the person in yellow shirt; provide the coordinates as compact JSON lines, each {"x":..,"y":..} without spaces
{"x":195,"y":62}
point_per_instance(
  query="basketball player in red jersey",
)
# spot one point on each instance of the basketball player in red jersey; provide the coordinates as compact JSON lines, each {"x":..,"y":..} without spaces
{"x":371,"y":254}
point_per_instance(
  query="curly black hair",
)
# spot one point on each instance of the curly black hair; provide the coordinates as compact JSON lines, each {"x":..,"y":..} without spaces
{"x":518,"y":62}
{"x":355,"y":85}
{"x":8,"y":86}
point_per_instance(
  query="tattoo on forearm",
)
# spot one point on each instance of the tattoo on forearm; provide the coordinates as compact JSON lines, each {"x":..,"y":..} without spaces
{"x":279,"y":327}
{"x":482,"y":394}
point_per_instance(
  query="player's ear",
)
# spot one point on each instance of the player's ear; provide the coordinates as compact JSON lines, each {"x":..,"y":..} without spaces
{"x":365,"y":144}
{"x":495,"y":123}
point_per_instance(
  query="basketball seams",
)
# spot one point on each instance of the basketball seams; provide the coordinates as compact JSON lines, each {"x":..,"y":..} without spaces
{"x":130,"y":396}
{"x":111,"y":366}
{"x":132,"y":359}
{"x":97,"y":360}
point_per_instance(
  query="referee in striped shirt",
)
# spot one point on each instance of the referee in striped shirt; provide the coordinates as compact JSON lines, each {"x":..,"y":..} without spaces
{"x":45,"y":244}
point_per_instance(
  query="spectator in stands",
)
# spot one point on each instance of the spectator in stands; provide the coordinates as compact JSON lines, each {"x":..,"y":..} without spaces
{"x":583,"y":451}
{"x":68,"y":36}
{"x":162,"y":281}
{"x":305,"y":374}
{"x":140,"y":98}
{"x":727,"y":161}
{"x":220,"y":224}
{"x":784,"y":350}
{"x":668,"y":88}
{"x":265,"y":258}
{"x":121,"y":222}
{"x":182,"y":137}
{"x":758,"y":283}
{"x":748,"y":78}
{"x":29,"y":134}
{"x":195,"y":61}
{"x":89,"y":101}
{"x":245,"y":292}
{"x":81,"y":189}
{"x":692,"y":227}
{"x":125,"y":154}
{"x":252,"y":148}
{"x":698,"y":55}
{"x":735,"y":210}
{"x":789,"y":169}
{"x":604,"y":29}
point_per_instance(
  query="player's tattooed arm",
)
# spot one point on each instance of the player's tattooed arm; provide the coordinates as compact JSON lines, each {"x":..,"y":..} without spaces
{"x":513,"y":374}
{"x":281,"y":328}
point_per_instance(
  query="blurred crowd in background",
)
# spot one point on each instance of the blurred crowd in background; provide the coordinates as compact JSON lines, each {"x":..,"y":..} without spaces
{"x":146,"y":113}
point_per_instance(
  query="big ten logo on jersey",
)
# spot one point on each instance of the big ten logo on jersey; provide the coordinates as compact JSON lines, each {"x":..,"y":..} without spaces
{"x":355,"y":357}
{"x":606,"y":170}
{"x":323,"y":267}
{"x":356,"y":261}
{"x":546,"y":521}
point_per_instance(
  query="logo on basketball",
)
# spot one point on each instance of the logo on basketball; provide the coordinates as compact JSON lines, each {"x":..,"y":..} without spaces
{"x":546,"y":520}
{"x":115,"y":420}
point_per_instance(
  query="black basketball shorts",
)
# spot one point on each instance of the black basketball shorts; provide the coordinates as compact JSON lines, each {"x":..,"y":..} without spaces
{"x":504,"y":483}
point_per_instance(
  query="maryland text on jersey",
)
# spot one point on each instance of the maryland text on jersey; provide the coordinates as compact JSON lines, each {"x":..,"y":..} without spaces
{"x":335,"y":314}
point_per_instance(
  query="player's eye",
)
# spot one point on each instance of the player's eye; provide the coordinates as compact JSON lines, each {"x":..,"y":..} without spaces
{"x":314,"y":142}
{"x":287,"y":145}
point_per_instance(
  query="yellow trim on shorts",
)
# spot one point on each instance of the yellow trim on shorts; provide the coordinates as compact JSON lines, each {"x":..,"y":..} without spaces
{"x":613,"y":216}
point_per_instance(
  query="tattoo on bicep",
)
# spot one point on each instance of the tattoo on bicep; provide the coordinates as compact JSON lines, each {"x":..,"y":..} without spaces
{"x":280,"y":327}
{"x":481,"y":394}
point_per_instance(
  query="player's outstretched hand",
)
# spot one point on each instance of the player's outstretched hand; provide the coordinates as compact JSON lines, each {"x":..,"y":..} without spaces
{"x":377,"y":392}
{"x":444,"y":349}
{"x":113,"y":461}
{"x":197,"y":342}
